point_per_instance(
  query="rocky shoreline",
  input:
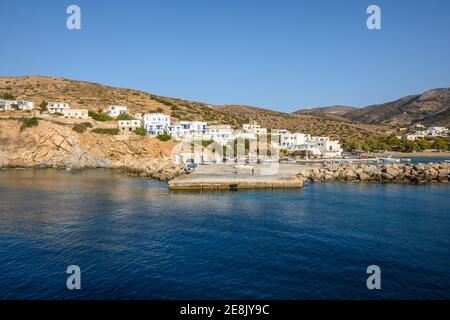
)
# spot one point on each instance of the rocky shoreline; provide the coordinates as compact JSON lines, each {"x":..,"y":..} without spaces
{"x":53,"y":145}
{"x":392,"y":173}
{"x":160,"y":170}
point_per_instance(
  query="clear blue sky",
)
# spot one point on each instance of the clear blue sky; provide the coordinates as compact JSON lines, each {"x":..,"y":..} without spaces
{"x":278,"y":54}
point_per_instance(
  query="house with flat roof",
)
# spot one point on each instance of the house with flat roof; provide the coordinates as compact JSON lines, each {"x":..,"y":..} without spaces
{"x":75,"y":113}
{"x":16,"y":105}
{"x":128,"y":126}
{"x":156,"y":123}
{"x":115,"y":111}
{"x":188,"y":129}
{"x":57,"y":107}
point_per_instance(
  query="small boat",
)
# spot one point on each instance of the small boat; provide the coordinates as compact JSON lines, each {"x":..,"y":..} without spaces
{"x":341,"y":161}
{"x":388,"y":159}
{"x":447,"y":161}
{"x":288,"y":161}
{"x":269,"y":160}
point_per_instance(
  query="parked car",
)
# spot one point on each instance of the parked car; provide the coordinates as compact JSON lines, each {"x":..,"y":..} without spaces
{"x":191,"y":165}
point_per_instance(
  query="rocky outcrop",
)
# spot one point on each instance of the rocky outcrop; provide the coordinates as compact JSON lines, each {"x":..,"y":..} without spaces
{"x":53,"y":145}
{"x":161,"y":170}
{"x":400,"y":173}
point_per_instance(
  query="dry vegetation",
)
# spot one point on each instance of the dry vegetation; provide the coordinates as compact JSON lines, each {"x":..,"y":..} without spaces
{"x":95,"y":97}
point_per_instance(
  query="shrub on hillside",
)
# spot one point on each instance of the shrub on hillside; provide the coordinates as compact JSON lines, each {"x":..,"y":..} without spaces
{"x":140,"y":131}
{"x":124,"y":116}
{"x":99,"y":116}
{"x":8,"y":96}
{"x":111,"y":131}
{"x":28,"y":123}
{"x":163,"y":137}
{"x":81,"y":127}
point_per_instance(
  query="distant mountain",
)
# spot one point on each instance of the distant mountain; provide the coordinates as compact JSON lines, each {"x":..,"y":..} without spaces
{"x":331,"y":111}
{"x":430,"y":108}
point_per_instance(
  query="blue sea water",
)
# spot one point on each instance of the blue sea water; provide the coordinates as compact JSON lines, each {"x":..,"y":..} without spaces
{"x":133,"y":239}
{"x":428,"y":159}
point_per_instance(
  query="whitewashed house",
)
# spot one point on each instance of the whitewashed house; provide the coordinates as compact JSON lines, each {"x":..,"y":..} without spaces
{"x":293,"y":141}
{"x":16,"y":104}
{"x":114,"y":111}
{"x":328,"y":148}
{"x":315,"y":146}
{"x":6,"y":104}
{"x":25,"y":105}
{"x":254,"y":128}
{"x":436,"y":131}
{"x":414,"y":137}
{"x":220,"y":133}
{"x":188,"y":130}
{"x":128,"y":126}
{"x":76,"y":113}
{"x":156,"y":123}
{"x":57,"y":107}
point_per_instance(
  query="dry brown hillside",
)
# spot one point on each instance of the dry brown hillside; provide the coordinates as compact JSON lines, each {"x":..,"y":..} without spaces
{"x":94,"y":96}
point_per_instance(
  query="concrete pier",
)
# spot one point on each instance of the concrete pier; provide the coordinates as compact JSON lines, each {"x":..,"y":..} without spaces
{"x":225,"y":177}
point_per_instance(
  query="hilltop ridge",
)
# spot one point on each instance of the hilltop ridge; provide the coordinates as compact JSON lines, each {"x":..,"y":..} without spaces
{"x":95,"y":96}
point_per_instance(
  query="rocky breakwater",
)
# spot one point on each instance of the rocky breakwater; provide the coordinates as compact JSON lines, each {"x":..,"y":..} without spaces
{"x":396,"y":173}
{"x":55,"y":145}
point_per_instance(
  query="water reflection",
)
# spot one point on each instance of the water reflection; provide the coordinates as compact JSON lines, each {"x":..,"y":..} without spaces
{"x":135,"y":239}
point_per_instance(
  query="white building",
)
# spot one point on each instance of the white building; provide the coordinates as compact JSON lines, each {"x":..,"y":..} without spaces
{"x":188,"y":129}
{"x":16,"y":104}
{"x":76,"y":113}
{"x":240,"y":133}
{"x":293,"y":141}
{"x":413,"y":137}
{"x":57,"y":107}
{"x":25,"y":105}
{"x":328,"y":148}
{"x":156,"y":123}
{"x":254,"y":128}
{"x":128,"y":126}
{"x":115,"y":111}
{"x":315,"y":146}
{"x":220,"y":133}
{"x":6,"y":104}
{"x":436,"y":131}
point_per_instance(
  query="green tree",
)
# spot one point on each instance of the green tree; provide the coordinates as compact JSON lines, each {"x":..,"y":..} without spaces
{"x":441,"y":144}
{"x":43,"y":106}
